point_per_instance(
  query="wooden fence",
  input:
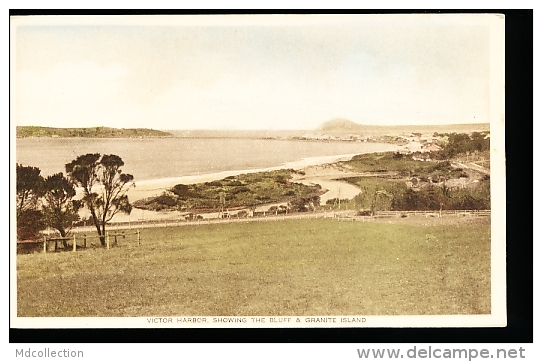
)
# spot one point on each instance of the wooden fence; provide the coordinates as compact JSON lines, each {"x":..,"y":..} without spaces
{"x":114,"y":235}
{"x":436,"y":212}
{"x":180,"y":221}
{"x":429,"y":213}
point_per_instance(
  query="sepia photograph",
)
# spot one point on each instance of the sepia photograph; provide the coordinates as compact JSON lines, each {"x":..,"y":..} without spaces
{"x":234,"y":171}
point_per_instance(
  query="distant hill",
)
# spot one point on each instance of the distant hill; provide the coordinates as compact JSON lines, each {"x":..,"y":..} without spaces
{"x":344,"y":126}
{"x":92,"y":132}
{"x":340,"y":124}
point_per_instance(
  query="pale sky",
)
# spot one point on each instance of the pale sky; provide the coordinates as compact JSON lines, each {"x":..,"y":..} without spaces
{"x":251,"y":72}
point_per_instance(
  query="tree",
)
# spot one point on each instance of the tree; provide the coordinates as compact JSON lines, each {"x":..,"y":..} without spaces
{"x":304,"y":204}
{"x":60,"y":211}
{"x":29,"y":190}
{"x":382,"y":199}
{"x":104,"y":187}
{"x":29,"y":224}
{"x":29,"y":187}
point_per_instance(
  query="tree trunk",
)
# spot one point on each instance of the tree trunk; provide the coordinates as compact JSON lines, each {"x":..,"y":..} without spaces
{"x":97,"y":225}
{"x":102,"y":235}
{"x":63,"y":234}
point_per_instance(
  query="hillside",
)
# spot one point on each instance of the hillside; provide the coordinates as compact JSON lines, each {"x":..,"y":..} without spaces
{"x":344,"y":126}
{"x":340,"y":124}
{"x":92,"y":132}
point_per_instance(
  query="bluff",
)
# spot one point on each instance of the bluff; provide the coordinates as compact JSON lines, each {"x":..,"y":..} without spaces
{"x":91,"y":132}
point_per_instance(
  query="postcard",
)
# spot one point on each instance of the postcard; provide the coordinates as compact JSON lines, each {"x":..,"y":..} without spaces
{"x":233,"y":171}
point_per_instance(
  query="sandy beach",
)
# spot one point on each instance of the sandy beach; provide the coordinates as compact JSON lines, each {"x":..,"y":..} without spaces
{"x":318,"y":170}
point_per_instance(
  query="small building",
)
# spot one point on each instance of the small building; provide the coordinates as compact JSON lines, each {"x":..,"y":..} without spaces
{"x":432,"y":148}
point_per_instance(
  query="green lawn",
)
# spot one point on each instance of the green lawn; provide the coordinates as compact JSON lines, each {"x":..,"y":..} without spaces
{"x":294,"y":267}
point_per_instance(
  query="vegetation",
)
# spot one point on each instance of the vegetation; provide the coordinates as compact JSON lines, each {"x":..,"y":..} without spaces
{"x":295,"y":267}
{"x":49,"y":202}
{"x":92,"y":132}
{"x":93,"y":171}
{"x":59,"y":210}
{"x":431,"y":186}
{"x":403,"y":165}
{"x":383,"y":194}
{"x":455,"y":144}
{"x":30,"y":188}
{"x":246,"y":190}
{"x":29,"y":224}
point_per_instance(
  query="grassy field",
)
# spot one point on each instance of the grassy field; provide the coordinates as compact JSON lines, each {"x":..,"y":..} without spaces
{"x":294,"y":267}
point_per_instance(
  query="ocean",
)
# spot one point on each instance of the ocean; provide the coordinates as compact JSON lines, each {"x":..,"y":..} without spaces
{"x":162,"y":158}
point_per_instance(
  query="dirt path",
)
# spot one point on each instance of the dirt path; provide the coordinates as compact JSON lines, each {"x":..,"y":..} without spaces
{"x":472,"y":166}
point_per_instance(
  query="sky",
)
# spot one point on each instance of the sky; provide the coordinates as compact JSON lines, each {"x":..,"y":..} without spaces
{"x":252,"y":72}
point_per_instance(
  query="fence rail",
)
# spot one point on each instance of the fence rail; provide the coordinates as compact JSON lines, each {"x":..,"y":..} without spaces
{"x":443,"y":212}
{"x":429,"y":213}
{"x":123,"y":230}
{"x":82,"y":238}
{"x":179,"y":221}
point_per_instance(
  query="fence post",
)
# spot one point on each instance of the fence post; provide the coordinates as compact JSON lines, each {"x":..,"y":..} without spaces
{"x":85,"y":240}
{"x":74,"y":243}
{"x":45,"y":244}
{"x":107,"y":240}
{"x":138,"y":238}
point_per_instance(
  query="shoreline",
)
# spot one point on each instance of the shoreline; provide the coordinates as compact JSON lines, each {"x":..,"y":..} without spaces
{"x":154,"y":187}
{"x":322,"y":170}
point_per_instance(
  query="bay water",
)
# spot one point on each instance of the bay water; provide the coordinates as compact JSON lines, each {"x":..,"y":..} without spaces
{"x":163,"y":158}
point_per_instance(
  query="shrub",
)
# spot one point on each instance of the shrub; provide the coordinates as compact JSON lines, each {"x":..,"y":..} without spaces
{"x":242,"y":213}
{"x":166,"y":200}
{"x":235,"y":183}
{"x":239,"y":190}
{"x":29,"y":224}
{"x":214,"y":183}
{"x":363,"y":213}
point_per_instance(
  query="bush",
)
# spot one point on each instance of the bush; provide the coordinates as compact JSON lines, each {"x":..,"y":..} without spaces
{"x":235,"y":183}
{"x":214,"y":183}
{"x":242,"y":213}
{"x":182,"y":191}
{"x":239,"y":190}
{"x":29,"y":224}
{"x":363,"y":213}
{"x":165,"y":200}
